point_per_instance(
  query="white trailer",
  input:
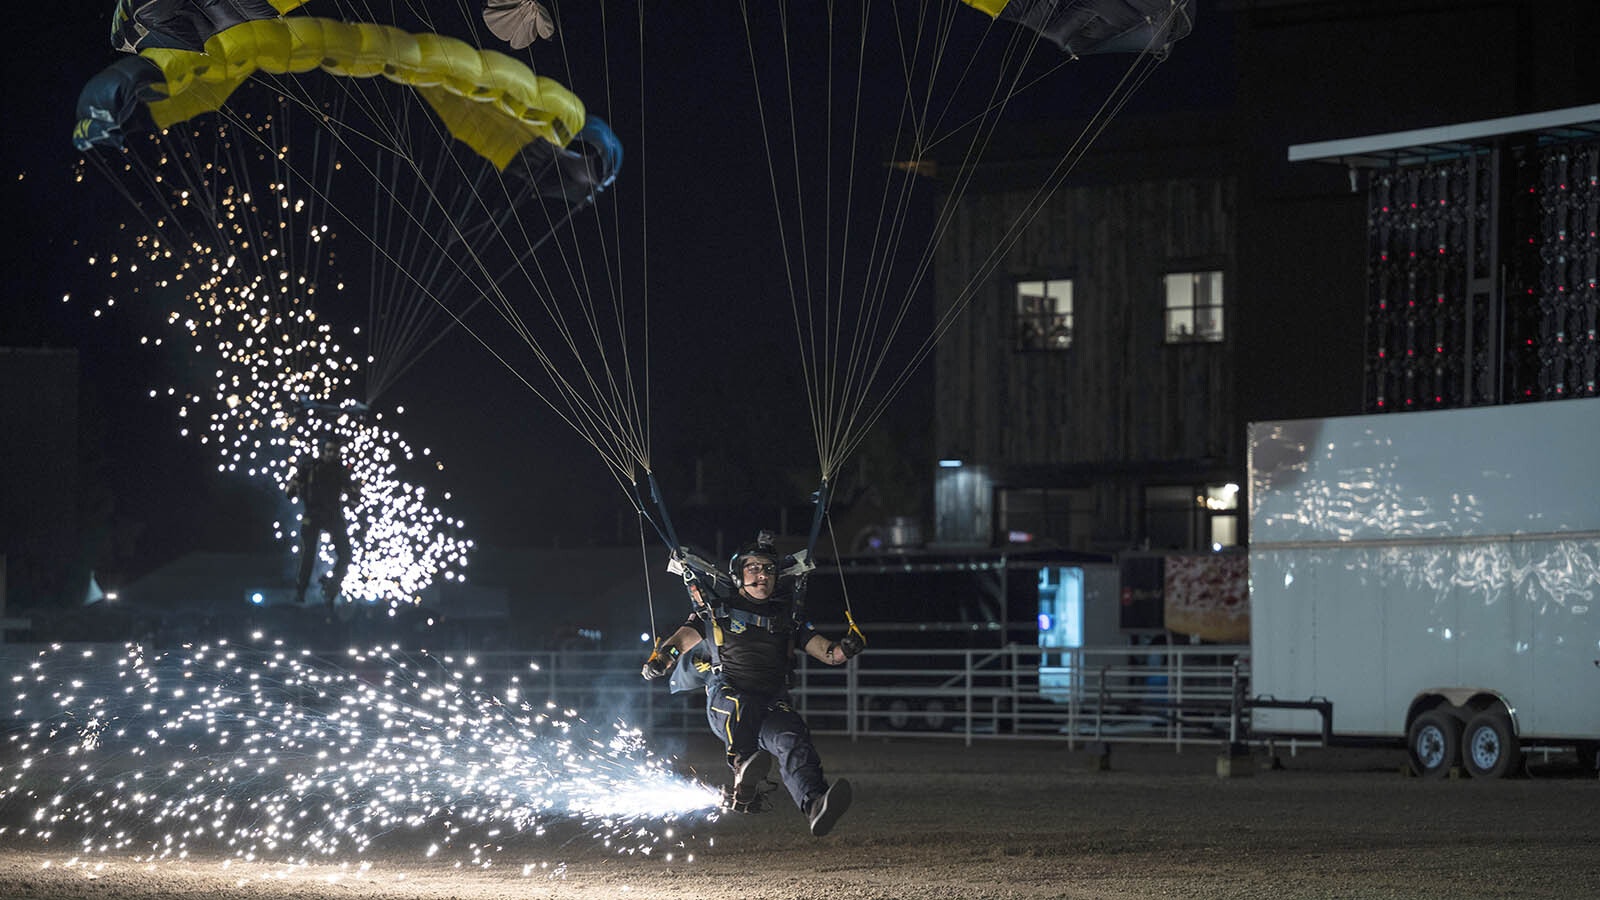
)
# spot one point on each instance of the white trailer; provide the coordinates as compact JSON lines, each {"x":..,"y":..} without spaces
{"x":1435,"y":576}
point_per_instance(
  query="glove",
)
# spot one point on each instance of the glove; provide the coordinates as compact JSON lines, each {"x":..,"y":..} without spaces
{"x":657,"y":665}
{"x":852,"y":644}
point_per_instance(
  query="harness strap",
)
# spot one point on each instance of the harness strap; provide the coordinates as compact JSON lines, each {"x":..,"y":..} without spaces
{"x":746,"y":617}
{"x":704,"y":611}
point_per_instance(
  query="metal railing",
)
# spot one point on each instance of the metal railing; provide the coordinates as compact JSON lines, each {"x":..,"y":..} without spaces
{"x":1173,"y":695}
{"x":1158,"y":694}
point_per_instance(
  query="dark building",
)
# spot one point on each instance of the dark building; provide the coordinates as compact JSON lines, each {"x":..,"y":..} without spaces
{"x":1190,"y":277}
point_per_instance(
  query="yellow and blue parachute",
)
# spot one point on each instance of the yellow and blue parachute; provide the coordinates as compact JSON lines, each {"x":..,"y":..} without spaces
{"x":489,"y":101}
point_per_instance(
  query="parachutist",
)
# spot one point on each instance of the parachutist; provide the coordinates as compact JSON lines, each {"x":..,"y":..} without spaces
{"x":748,"y":667}
{"x":323,"y":485}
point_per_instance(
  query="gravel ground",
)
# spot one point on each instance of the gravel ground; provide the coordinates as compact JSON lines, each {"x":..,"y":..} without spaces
{"x":998,"y":820}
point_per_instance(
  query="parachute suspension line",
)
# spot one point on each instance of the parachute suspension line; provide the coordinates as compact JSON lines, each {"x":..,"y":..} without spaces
{"x":285,"y":256}
{"x":834,"y":342}
{"x":609,"y":399}
{"x":844,"y":586}
{"x":838,"y":372}
{"x":276,"y":259}
{"x":798,"y":283}
{"x":644,"y":242}
{"x":286,"y":168}
{"x":845,"y":370}
{"x":166,"y":217}
{"x":625,"y":409}
{"x":395,"y":304}
{"x":854,"y":362}
{"x":208,"y":197}
{"x":1137,"y":73}
{"x":400,"y":318}
{"x":473,"y":303}
{"x":403,"y":352}
{"x":644,"y":564}
{"x":571,"y":396}
{"x":859,"y":421}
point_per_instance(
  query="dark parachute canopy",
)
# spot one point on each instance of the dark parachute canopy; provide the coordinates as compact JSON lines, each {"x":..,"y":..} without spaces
{"x":184,"y":24}
{"x":1084,"y":27}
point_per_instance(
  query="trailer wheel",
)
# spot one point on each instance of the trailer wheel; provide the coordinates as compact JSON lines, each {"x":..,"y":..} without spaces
{"x":1489,"y":748}
{"x":934,"y":714}
{"x":1433,"y":743}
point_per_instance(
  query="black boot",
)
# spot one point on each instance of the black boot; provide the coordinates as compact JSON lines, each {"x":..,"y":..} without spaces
{"x":825,"y":809}
{"x":749,"y":774}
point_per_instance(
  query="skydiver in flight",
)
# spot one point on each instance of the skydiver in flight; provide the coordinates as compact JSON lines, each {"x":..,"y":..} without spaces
{"x":755,"y":634}
{"x":324,"y":485}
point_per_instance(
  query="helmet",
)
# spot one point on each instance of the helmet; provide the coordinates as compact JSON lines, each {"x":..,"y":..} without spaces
{"x":763,"y":548}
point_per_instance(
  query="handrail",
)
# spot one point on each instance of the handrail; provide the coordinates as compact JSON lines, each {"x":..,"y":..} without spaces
{"x":1173,"y":695}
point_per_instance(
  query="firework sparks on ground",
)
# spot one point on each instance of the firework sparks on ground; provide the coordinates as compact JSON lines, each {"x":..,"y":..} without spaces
{"x":262,"y":753}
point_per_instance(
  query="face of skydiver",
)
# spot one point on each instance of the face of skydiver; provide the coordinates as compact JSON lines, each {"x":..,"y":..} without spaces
{"x":759,"y":576}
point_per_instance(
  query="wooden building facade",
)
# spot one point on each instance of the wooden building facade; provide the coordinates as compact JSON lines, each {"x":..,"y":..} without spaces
{"x":1084,"y":398}
{"x":1115,"y":432}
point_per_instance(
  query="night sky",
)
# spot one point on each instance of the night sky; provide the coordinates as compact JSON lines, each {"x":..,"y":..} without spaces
{"x":725,"y":378}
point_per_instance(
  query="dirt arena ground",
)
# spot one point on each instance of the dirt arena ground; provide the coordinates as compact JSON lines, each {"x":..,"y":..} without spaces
{"x":942,"y":821}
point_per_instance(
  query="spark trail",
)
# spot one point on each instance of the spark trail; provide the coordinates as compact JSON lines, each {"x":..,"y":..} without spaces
{"x":262,"y":753}
{"x":246,"y":308}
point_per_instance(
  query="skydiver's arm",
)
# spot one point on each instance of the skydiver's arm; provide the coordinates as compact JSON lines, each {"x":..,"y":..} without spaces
{"x":682,"y":640}
{"x":824,"y":650}
{"x":665,"y":656}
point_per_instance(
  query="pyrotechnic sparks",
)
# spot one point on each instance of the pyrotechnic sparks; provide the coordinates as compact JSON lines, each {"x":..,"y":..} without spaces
{"x":263,"y":753}
{"x":244,"y":269}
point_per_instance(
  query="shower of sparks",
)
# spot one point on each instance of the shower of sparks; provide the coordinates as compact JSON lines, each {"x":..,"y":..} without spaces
{"x":262,"y":753}
{"x":242,"y":270}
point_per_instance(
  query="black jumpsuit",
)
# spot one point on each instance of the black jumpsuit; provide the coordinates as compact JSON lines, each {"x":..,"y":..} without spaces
{"x":747,"y":702}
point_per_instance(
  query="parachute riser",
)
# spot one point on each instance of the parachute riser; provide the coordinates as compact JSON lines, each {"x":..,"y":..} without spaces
{"x":820,"y":498}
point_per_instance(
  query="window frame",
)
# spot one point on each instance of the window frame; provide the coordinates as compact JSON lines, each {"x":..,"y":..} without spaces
{"x":1045,"y":321}
{"x":1197,"y":272}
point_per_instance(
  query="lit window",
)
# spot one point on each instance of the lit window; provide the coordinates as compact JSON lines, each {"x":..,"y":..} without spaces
{"x":1044,"y":314}
{"x":1195,"y":517}
{"x":1194,"y":306}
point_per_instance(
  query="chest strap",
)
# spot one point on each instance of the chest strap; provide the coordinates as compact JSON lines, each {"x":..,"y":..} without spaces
{"x":774,"y":624}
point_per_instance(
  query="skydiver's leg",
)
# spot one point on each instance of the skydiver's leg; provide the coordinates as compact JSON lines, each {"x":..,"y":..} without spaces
{"x":734,"y":718}
{"x":785,"y":735}
{"x":310,"y":537}
{"x":342,"y":555}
